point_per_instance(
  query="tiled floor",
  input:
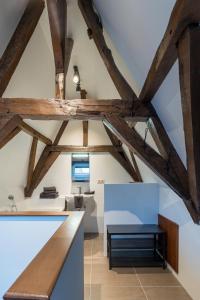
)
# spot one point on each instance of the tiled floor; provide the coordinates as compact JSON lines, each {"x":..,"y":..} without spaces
{"x":125,"y":283}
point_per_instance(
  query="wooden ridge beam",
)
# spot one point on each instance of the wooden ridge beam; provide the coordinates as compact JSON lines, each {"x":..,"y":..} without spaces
{"x":19,"y":41}
{"x":151,"y":158}
{"x":96,"y":32}
{"x":185,"y":12}
{"x":34,"y":133}
{"x":189,"y":64}
{"x":57,"y":109}
{"x":9,"y":130}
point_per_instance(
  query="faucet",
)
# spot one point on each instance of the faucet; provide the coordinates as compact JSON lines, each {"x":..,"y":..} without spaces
{"x":79,"y":188}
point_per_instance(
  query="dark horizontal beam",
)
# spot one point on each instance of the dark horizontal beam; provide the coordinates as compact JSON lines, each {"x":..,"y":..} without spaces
{"x":74,"y":149}
{"x":19,"y":41}
{"x":184,"y":13}
{"x":57,"y":109}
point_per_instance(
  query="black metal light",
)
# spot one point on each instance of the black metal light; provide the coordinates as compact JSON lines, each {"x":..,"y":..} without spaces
{"x":76,"y":79}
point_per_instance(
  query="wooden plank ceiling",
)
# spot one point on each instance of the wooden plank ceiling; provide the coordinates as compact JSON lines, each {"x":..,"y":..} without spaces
{"x":181,"y":40}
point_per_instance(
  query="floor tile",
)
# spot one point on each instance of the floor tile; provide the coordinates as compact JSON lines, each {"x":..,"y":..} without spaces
{"x":87,"y":252}
{"x":167,"y":293}
{"x":115,"y":277}
{"x":125,"y":283}
{"x":98,"y":249}
{"x":99,"y":292}
{"x":87,"y":274}
{"x":156,"y":277}
{"x":87,"y":292}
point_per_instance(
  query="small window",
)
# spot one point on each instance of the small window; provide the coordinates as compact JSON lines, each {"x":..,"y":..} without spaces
{"x":80,"y":168}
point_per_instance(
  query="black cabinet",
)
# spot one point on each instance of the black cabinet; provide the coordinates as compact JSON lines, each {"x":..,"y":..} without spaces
{"x":136,"y":246}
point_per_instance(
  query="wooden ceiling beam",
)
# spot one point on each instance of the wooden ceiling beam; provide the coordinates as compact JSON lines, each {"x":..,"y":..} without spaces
{"x":83,"y":94}
{"x":96,"y":32}
{"x":46,"y":167}
{"x":85,"y":133}
{"x":44,"y":163}
{"x":43,"y":166}
{"x":31,"y":164}
{"x":57,"y":109}
{"x":151,"y":158}
{"x":171,"y":154}
{"x":69,"y":43}
{"x":19,"y":41}
{"x":114,"y":140}
{"x":28,"y":191}
{"x":120,"y":155}
{"x":189,"y":64}
{"x":184,"y":13}
{"x":57,"y":11}
{"x":60,"y":132}
{"x":34,"y":133}
{"x":9,"y":130}
{"x":89,"y":149}
{"x":9,"y":137}
{"x":137,"y":170}
{"x":157,"y":140}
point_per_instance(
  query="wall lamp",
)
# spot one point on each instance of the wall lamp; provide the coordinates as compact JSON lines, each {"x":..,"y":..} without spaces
{"x":77,"y":79}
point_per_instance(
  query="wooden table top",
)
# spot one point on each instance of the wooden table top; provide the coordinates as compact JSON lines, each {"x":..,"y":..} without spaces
{"x":39,"y":278}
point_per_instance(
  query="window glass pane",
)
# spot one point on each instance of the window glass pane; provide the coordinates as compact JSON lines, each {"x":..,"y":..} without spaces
{"x":80,"y":168}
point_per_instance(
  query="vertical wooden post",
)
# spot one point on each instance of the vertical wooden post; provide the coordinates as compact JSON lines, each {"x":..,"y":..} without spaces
{"x":31,"y":164}
{"x":189,"y":69}
{"x":85,"y":123}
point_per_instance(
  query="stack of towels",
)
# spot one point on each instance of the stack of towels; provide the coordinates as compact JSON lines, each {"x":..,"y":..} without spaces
{"x":49,"y":193}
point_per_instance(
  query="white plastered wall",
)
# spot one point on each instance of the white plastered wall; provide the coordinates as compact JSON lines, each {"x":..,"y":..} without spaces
{"x":34,"y":77}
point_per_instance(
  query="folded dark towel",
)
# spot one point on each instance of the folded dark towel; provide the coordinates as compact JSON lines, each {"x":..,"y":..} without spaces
{"x":49,"y":189}
{"x":89,"y":193}
{"x":49,"y":195}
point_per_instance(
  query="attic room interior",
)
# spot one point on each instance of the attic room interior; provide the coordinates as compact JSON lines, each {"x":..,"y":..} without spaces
{"x":99,"y":149}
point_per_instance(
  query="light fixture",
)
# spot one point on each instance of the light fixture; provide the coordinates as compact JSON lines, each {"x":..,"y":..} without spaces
{"x":76,"y":79}
{"x":80,"y":155}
